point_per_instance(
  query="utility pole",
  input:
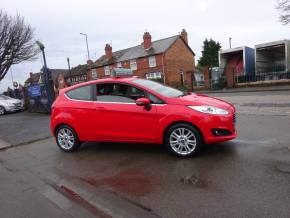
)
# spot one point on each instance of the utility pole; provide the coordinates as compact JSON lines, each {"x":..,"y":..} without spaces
{"x":86,"y":36}
{"x":46,"y":77}
{"x":68,"y":65}
{"x":230,"y":41}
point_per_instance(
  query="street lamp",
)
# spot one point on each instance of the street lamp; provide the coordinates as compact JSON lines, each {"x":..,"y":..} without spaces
{"x":46,"y":76}
{"x":86,"y":44}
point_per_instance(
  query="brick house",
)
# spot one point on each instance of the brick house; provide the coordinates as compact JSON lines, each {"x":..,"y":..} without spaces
{"x":169,"y":60}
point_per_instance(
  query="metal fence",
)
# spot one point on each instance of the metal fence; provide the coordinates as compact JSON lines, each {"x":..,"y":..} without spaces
{"x":262,"y":77}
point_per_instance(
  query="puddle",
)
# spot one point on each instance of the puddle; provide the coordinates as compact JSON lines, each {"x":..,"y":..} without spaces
{"x":194,"y":181}
{"x":132,"y":182}
{"x":283,"y":168}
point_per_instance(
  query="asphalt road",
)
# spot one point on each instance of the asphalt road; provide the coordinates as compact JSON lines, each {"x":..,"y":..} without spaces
{"x":247,"y":177}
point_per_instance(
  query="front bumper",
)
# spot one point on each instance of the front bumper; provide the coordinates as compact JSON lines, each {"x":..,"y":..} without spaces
{"x":217,"y":128}
{"x":15,"y":107}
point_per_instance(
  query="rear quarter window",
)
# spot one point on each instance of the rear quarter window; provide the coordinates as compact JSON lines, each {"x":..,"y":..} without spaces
{"x":81,"y":93}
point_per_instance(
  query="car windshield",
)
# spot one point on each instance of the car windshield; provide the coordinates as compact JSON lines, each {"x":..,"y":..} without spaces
{"x":159,"y":88}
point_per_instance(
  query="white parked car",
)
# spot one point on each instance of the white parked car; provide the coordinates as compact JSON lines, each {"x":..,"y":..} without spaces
{"x":8,"y":104}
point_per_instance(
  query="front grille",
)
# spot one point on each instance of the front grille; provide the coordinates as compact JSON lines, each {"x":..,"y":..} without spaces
{"x":18,"y":106}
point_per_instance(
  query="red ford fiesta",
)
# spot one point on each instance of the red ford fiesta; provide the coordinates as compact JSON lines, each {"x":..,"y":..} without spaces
{"x":139,"y":110}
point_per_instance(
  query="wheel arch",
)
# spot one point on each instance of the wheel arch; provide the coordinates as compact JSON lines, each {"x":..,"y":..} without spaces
{"x":64,"y":124}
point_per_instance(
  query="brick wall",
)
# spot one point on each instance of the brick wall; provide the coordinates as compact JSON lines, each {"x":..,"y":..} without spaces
{"x":178,"y":58}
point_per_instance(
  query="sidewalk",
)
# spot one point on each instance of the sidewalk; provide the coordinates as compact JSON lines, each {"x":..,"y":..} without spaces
{"x":249,"y":89}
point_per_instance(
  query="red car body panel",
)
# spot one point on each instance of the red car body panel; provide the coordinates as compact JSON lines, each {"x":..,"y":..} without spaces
{"x":127,"y":122}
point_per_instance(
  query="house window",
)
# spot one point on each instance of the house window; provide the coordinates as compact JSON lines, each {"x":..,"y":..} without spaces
{"x":133,"y":64}
{"x":152,"y":61}
{"x":94,"y":74}
{"x":107,"y":70}
{"x":155,"y":75}
{"x":119,"y":64}
{"x":181,"y":78}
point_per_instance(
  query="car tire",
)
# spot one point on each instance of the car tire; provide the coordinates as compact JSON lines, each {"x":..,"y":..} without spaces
{"x":67,"y":139}
{"x":183,"y":140}
{"x":2,"y":110}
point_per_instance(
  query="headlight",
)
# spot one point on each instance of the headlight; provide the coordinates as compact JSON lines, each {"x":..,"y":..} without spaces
{"x":209,"y":110}
{"x":9,"y":104}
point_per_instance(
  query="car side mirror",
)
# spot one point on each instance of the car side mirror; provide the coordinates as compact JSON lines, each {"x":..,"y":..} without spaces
{"x":144,"y":102}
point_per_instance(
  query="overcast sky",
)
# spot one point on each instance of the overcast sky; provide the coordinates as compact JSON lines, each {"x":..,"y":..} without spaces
{"x":58,"y":23}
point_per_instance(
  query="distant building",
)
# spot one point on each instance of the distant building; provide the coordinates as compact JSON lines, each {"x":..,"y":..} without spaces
{"x":273,"y":57}
{"x":241,"y":60}
{"x":169,"y":60}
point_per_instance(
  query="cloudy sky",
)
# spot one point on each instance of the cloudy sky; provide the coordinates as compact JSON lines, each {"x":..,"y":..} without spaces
{"x":58,"y":23}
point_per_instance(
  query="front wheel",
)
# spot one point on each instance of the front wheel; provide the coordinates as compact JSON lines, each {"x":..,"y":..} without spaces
{"x":67,"y":139}
{"x":2,"y":110}
{"x":183,"y":140}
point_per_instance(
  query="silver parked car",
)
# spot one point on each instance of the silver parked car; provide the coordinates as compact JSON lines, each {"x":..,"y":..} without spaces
{"x":8,"y":104}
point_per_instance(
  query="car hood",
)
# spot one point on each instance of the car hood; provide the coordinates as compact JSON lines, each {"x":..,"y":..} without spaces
{"x":200,"y":99}
{"x":13,"y":101}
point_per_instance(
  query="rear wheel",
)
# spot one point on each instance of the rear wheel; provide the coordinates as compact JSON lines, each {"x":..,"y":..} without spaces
{"x":67,"y":139}
{"x":183,"y":140}
{"x":2,"y":110}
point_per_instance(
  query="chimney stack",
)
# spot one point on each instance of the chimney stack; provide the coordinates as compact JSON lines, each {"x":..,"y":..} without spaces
{"x":108,"y":51}
{"x":147,"y":40}
{"x":30,"y":74}
{"x":90,"y":62}
{"x":184,"y":35}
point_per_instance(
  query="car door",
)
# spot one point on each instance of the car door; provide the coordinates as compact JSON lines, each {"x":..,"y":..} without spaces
{"x":118,"y":118}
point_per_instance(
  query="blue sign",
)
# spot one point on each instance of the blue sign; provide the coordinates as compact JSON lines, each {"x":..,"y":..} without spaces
{"x":34,"y":91}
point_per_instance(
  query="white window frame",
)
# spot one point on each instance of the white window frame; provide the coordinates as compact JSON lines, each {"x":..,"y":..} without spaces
{"x":133,"y":64}
{"x":154,"y":75}
{"x":107,"y":70}
{"x":119,"y":64}
{"x":94,"y":73}
{"x":152,"y":61}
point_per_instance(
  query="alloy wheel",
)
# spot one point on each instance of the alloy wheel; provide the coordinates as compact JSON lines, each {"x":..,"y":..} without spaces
{"x":182,"y":141}
{"x":2,"y":110}
{"x":65,"y":138}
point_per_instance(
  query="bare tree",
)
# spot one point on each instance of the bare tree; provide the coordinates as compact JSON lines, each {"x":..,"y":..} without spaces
{"x":16,"y":42}
{"x":284,"y":8}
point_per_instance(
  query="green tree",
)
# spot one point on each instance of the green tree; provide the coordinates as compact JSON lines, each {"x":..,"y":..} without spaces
{"x":209,"y":53}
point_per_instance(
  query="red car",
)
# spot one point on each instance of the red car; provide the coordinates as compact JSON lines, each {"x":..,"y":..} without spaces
{"x":139,"y":110}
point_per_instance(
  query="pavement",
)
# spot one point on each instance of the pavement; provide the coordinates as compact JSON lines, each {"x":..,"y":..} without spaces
{"x":249,"y":89}
{"x":246,"y":177}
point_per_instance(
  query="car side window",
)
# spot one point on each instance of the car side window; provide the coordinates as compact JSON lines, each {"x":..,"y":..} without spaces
{"x":116,"y":92}
{"x":153,"y":99}
{"x":81,"y":93}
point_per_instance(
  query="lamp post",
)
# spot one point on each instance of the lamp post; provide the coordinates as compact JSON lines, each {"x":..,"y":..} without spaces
{"x":46,"y":76}
{"x":86,"y":36}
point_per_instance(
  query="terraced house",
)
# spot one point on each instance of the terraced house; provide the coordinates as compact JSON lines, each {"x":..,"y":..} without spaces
{"x":169,"y":60}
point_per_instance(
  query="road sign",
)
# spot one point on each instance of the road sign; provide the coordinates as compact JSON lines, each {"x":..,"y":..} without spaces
{"x":34,"y":91}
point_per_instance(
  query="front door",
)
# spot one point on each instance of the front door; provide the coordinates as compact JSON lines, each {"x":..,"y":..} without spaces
{"x":118,"y":118}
